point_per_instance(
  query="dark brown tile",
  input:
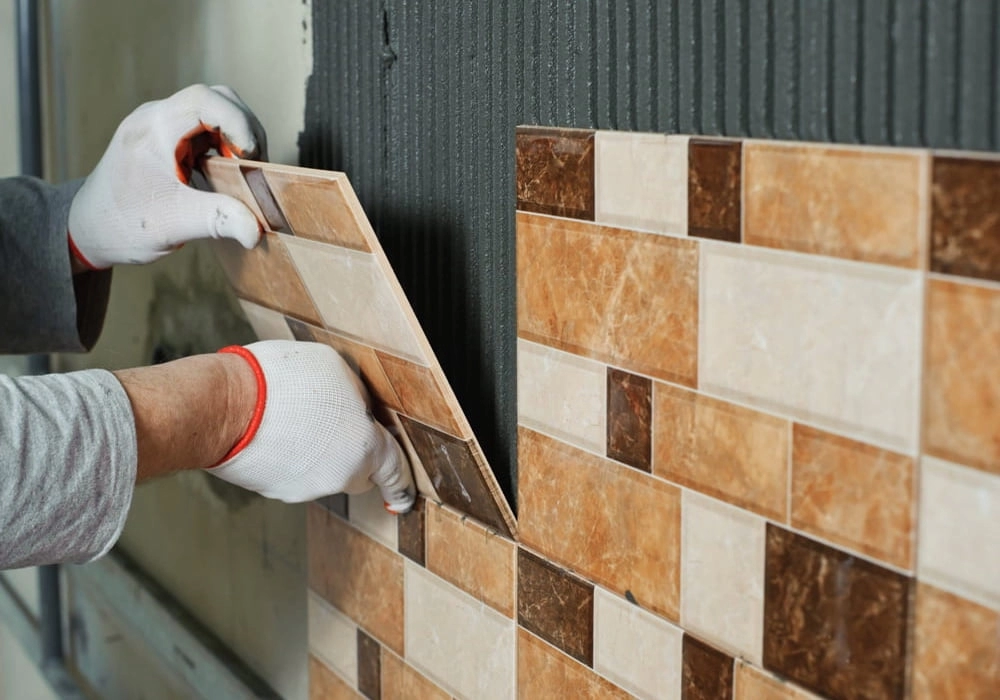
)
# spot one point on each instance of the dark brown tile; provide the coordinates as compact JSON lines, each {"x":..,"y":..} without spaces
{"x":714,"y":192}
{"x":965,"y":221}
{"x":833,"y":623}
{"x":630,"y":409}
{"x":273,"y":216}
{"x":411,"y":533}
{"x":555,"y":172}
{"x":369,"y":666}
{"x":556,"y":606}
{"x":707,"y":673}
{"x":300,"y":331}
{"x":336,"y":504}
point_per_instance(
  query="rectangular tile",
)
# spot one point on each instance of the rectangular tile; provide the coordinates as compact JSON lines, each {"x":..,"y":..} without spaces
{"x":366,"y":511}
{"x":965,"y":230}
{"x":754,"y":684}
{"x":707,"y":672}
{"x":324,"y":684}
{"x":556,"y":606}
{"x":555,"y":171}
{"x":266,"y":323}
{"x":630,"y":429}
{"x":333,"y":638}
{"x":320,"y":207}
{"x":543,"y":672}
{"x":369,"y":666}
{"x":831,"y":342}
{"x":856,"y":203}
{"x":400,"y":680}
{"x":274,"y":218}
{"x":620,"y":296}
{"x":728,"y":451}
{"x":714,"y":190}
{"x":424,"y":395}
{"x":411,"y":532}
{"x":612,"y":524}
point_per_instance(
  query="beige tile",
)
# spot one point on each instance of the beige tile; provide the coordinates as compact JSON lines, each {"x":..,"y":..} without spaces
{"x":562,"y":394}
{"x":367,"y":512}
{"x":267,"y":324}
{"x":320,"y":207}
{"x":324,"y":684}
{"x":424,"y":394}
{"x":225,"y":177}
{"x":333,"y":637}
{"x":544,"y":672}
{"x":722,"y":575}
{"x":831,"y":342}
{"x":401,"y":681}
{"x":752,"y":683}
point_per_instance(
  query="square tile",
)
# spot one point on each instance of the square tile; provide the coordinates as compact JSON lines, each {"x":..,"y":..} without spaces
{"x":320,"y":208}
{"x":707,"y":672}
{"x":369,"y":666}
{"x":400,"y":680}
{"x":366,"y":511}
{"x":333,"y":637}
{"x":411,"y":533}
{"x":544,"y":672}
{"x":274,"y":219}
{"x":555,"y":171}
{"x":714,"y":190}
{"x":324,"y":684}
{"x":965,"y":229}
{"x":266,"y":323}
{"x":754,"y":684}
{"x":556,"y":606}
{"x":630,"y":429}
{"x":424,"y":395}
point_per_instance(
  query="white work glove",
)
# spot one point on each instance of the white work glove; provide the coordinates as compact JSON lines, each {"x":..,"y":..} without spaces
{"x":314,"y":433}
{"x":137,"y":206}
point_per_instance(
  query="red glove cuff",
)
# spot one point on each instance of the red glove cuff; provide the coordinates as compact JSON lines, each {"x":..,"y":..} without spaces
{"x":78,"y":255}
{"x":258,"y":409}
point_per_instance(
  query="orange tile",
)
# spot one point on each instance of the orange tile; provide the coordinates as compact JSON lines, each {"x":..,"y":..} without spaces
{"x":620,"y":296}
{"x":400,"y":681}
{"x":860,"y":204}
{"x":962,"y":374}
{"x":423,"y":397}
{"x":608,"y":522}
{"x":724,"y":450}
{"x":853,"y":494}
{"x":544,"y":672}
{"x":319,"y":208}
{"x":324,"y":684}
{"x":754,"y":684}
{"x":359,"y":576}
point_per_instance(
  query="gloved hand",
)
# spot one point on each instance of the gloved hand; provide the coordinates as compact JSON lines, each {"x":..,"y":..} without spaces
{"x":136,"y":206}
{"x":313,"y":433}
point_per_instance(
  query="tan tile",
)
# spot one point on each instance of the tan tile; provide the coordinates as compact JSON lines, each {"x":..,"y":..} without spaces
{"x":853,"y":494}
{"x":267,"y":324}
{"x":606,"y":521}
{"x":544,"y":672}
{"x":473,"y":558}
{"x":727,"y":451}
{"x":319,"y":207}
{"x":621,"y":296}
{"x":324,"y":684}
{"x":359,"y":576}
{"x":400,"y":681}
{"x":962,"y":374}
{"x":422,"y":395}
{"x":225,"y":177}
{"x":754,"y":684}
{"x":856,"y":203}
{"x":333,"y":637}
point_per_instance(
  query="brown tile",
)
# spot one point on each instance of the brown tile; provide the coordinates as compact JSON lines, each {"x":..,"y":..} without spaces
{"x":555,"y":172}
{"x":543,"y":672}
{"x":273,"y":216}
{"x":624,"y":297}
{"x":754,"y":684}
{"x":320,"y":208}
{"x":730,"y":452}
{"x":359,"y":576}
{"x":853,"y":494}
{"x":400,"y":681}
{"x":707,"y":672}
{"x":612,"y":524}
{"x":422,"y":396}
{"x":962,"y":374}
{"x":854,"y":203}
{"x":834,"y":623}
{"x":714,"y":189}
{"x":471,"y":557}
{"x":410,"y":530}
{"x":336,"y":504}
{"x":630,"y":430}
{"x":369,"y":666}
{"x":324,"y":684}
{"x":556,"y":606}
{"x":956,"y":648}
{"x":965,"y":223}
{"x":225,"y":177}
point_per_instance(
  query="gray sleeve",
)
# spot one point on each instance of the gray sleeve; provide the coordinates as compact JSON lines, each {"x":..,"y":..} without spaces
{"x":43,"y":306}
{"x":67,"y":467}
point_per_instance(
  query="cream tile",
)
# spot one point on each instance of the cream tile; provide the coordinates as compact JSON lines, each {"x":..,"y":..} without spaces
{"x":636,"y":649}
{"x":562,"y":394}
{"x":831,"y":342}
{"x":267,"y":324}
{"x":333,"y":637}
{"x":722,"y":575}
{"x":367,"y":511}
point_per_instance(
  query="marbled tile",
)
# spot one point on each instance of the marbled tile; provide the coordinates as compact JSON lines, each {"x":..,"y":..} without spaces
{"x":359,"y":576}
{"x":471,"y":557}
{"x":544,"y":672}
{"x":956,"y":648}
{"x":832,"y":342}
{"x":411,"y":532}
{"x":965,"y":226}
{"x":641,"y":181}
{"x":556,"y":606}
{"x":853,"y":494}
{"x":731,"y":452}
{"x":834,"y":623}
{"x":722,"y":575}
{"x":959,"y":525}
{"x":324,"y":684}
{"x":266,"y":323}
{"x":636,"y":649}
{"x":320,"y":207}
{"x":401,"y":681}
{"x":460,"y":643}
{"x":962,"y":374}
{"x":754,"y":684}
{"x":707,"y":672}
{"x":336,"y":504}
{"x":367,"y":512}
{"x":422,"y":395}
{"x":369,"y":666}
{"x":612,"y":524}
{"x":857,"y":203}
{"x":562,"y":394}
{"x":225,"y":177}
{"x":620,"y":296}
{"x":630,"y":429}
{"x":273,"y":216}
{"x":555,"y":171}
{"x":714,"y":191}
{"x":333,"y":638}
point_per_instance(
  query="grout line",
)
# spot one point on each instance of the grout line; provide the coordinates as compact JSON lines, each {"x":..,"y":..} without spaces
{"x":789,"y":471}
{"x":966,"y":281}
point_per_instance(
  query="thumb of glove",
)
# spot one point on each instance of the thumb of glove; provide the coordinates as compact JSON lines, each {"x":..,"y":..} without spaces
{"x":199,"y":214}
{"x":392,"y":475}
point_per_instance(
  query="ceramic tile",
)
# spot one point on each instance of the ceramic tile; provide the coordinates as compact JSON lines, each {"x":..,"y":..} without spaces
{"x":641,"y":181}
{"x":324,"y":684}
{"x":714,"y":191}
{"x":630,"y":429}
{"x":832,"y":342}
{"x":965,"y":229}
{"x":225,"y":177}
{"x":556,"y":606}
{"x":754,"y":684}
{"x":471,"y":557}
{"x":267,"y":324}
{"x":422,"y":395}
{"x":636,"y":649}
{"x":544,"y":672}
{"x":610,"y":523}
{"x":336,"y":504}
{"x":956,"y":648}
{"x":369,"y":666}
{"x":555,"y":171}
{"x":321,"y":208}
{"x":707,"y":672}
{"x":853,"y":494}
{"x":274,"y":219}
{"x":411,"y":533}
{"x":834,"y":623}
{"x":462,"y":644}
{"x":856,"y":203}
{"x":722,"y":575}
{"x":333,"y":638}
{"x":403,"y":682}
{"x":728,"y":451}
{"x":962,"y":374}
{"x":562,"y":394}
{"x":620,"y":296}
{"x":367,"y":512}
{"x":959,"y":523}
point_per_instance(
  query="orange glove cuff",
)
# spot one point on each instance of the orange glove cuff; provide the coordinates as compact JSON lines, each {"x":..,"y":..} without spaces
{"x":258,"y":409}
